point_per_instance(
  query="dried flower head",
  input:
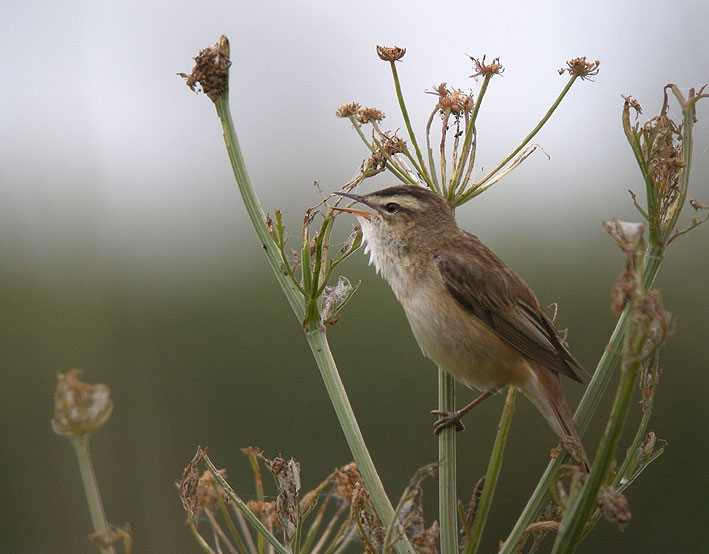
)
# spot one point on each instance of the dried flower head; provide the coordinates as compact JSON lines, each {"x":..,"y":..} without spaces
{"x":485,"y":69}
{"x":189,"y":483}
{"x":211,"y":70}
{"x":366,"y":115}
{"x":579,"y":67}
{"x":455,"y":101}
{"x":390,"y":53}
{"x":346,"y":478}
{"x":206,"y":492}
{"x":614,"y":506}
{"x":347,"y":110}
{"x":79,"y":408}
{"x":393,"y":144}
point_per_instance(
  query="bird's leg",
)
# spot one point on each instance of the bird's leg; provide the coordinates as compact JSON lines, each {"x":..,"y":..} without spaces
{"x":453,"y":418}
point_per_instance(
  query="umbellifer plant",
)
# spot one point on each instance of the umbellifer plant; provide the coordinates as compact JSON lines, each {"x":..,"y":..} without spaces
{"x":663,"y":151}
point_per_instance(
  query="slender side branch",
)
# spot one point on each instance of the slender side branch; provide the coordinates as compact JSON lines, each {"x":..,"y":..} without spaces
{"x":421,"y":166}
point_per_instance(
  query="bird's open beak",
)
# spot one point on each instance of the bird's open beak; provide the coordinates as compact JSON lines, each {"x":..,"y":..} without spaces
{"x":354,"y":211}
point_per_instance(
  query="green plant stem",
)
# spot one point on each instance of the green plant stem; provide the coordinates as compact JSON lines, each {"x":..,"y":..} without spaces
{"x":447,"y":498}
{"x":315,"y":336}
{"x":576,"y":516}
{"x":471,"y":191}
{"x":88,"y":478}
{"x":421,"y":166}
{"x":587,"y":407}
{"x":493,"y":473}
{"x":253,"y":207}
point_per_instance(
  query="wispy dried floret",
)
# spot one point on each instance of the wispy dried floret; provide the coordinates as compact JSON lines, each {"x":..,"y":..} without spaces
{"x":390,"y":53}
{"x":347,"y":110}
{"x":79,"y":408}
{"x":454,"y":100}
{"x":365,"y":115}
{"x":393,"y":144}
{"x":581,"y":68}
{"x":614,"y":506}
{"x":211,"y":70}
{"x":484,"y":69}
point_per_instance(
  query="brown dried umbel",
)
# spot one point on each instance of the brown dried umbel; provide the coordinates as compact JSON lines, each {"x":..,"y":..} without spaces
{"x":79,"y":408}
{"x":347,"y":110}
{"x":579,"y":67}
{"x":390,"y":53}
{"x":211,"y":70}
{"x":485,"y":69}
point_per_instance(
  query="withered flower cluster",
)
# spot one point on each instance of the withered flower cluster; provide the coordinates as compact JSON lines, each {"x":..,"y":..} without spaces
{"x":79,"y":408}
{"x":579,"y":67}
{"x":390,"y":53}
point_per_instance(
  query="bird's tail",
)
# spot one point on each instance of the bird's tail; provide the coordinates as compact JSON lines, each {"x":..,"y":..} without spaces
{"x":545,"y":391}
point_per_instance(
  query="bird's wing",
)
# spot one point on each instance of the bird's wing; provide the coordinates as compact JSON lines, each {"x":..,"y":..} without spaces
{"x":488,"y":289}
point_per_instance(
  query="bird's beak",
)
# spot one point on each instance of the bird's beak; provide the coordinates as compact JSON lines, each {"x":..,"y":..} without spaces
{"x":353,"y":211}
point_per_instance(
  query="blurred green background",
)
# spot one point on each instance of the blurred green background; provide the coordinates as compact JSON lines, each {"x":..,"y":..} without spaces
{"x":124,"y":249}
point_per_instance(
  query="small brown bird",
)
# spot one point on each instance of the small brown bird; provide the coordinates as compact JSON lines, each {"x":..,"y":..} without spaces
{"x":470,"y":313}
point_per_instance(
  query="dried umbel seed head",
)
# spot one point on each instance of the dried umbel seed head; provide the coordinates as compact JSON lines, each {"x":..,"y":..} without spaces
{"x":347,"y":110}
{"x":579,"y":67}
{"x":347,"y":477}
{"x":366,"y":115}
{"x":211,"y":70}
{"x":390,"y":53}
{"x":614,"y":506}
{"x":485,"y":69}
{"x":79,"y":408}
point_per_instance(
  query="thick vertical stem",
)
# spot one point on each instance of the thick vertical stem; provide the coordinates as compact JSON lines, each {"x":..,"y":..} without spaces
{"x":447,"y":497}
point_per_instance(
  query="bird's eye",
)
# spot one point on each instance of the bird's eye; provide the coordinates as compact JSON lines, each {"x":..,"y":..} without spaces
{"x":391,"y":207}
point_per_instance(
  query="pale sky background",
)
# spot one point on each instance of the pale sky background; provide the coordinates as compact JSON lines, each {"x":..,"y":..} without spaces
{"x":105,"y":152}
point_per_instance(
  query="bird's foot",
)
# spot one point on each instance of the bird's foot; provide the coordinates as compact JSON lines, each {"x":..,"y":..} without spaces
{"x":447,"y":419}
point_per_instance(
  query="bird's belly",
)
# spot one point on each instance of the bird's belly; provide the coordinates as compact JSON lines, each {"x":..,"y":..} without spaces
{"x":462,"y":345}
